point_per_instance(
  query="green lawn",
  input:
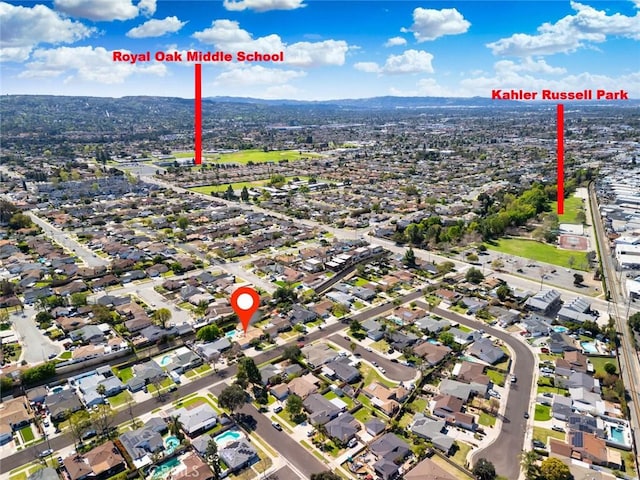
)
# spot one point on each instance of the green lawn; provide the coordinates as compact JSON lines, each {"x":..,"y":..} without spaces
{"x":540,"y":252}
{"x":119,"y":399}
{"x":65,"y":355}
{"x":543,"y":433}
{"x":26,"y":434}
{"x":260,"y":156}
{"x":363,"y":415}
{"x":331,"y":395}
{"x":419,"y":405}
{"x":496,"y":377}
{"x":572,"y":206}
{"x":543,"y":413}
{"x":599,"y":363}
{"x":381,"y":346}
{"x":460,"y":457}
{"x":547,"y":389}
{"x":486,"y":419}
{"x":360,"y":282}
{"x":125,"y":374}
{"x":371,"y":375}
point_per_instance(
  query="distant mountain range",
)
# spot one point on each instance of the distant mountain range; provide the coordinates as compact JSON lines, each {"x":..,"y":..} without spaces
{"x":390,"y":102}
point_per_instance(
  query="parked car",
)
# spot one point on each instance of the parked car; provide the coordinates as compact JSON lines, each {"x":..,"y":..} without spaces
{"x":45,"y":453}
{"x":544,"y":350}
{"x":513,"y":378}
{"x":352,"y":443}
{"x":277,"y":409}
{"x":493,"y":393}
{"x":557,"y":428}
{"x":538,"y":444}
{"x":382,"y":370}
{"x":277,"y":426}
{"x":526,"y":415}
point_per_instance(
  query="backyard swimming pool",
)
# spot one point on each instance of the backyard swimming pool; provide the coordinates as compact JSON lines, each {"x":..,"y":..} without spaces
{"x":589,"y":347}
{"x":162,"y":470}
{"x":171,"y":443}
{"x":165,"y":360}
{"x":231,"y":333}
{"x":617,"y":435}
{"x":228,"y":436}
{"x":559,"y":329}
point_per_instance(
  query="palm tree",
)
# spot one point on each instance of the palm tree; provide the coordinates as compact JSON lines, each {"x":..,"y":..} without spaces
{"x":101,"y":389}
{"x":321,"y":431}
{"x":528,"y":462}
{"x":175,"y":426}
{"x":211,"y":454}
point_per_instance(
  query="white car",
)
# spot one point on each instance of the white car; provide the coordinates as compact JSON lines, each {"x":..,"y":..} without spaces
{"x":493,"y":393}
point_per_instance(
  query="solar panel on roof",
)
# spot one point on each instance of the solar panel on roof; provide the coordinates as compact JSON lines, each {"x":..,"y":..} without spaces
{"x":578,"y":440}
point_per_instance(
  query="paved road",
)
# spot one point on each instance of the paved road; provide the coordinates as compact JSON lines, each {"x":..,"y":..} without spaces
{"x":301,"y":459}
{"x":63,"y":238}
{"x":36,"y":347}
{"x":285,"y":473}
{"x":27,"y":455}
{"x":506,"y":449}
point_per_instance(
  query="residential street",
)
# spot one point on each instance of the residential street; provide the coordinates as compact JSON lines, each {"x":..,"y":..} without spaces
{"x":36,"y":347}
{"x":63,"y":239}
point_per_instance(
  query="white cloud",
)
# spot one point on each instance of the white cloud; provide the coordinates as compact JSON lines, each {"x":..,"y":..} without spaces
{"x":262,"y":5}
{"x":147,"y":7}
{"x":227,"y":35}
{"x":100,"y":10}
{"x":86,"y":63}
{"x":281,"y":91}
{"x":256,"y":75}
{"x":369,"y":67}
{"x":156,"y":28}
{"x":429,"y":24}
{"x":411,"y":61}
{"x":528,"y":65}
{"x":568,"y":34}
{"x":24,"y":28}
{"x":397,"y":41}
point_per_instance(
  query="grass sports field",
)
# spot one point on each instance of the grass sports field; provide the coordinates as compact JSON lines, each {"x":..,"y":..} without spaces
{"x":540,"y":252}
{"x":256,"y":156}
{"x":237,"y":186}
{"x":572,"y":206}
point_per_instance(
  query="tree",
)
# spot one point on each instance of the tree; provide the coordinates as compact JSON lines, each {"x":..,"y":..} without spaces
{"x":229,"y":194}
{"x":182,"y":222}
{"x":248,"y":366}
{"x":19,"y":220}
{"x":208,"y":333}
{"x":484,"y":470}
{"x":447,"y":338}
{"x":494,"y":405}
{"x":78,"y":299}
{"x":610,"y":368}
{"x":474,"y":275}
{"x":577,"y":279}
{"x":294,"y":407}
{"x":528,"y":462}
{"x":78,"y":425}
{"x":503,"y":292}
{"x":291,"y":353}
{"x":101,"y":389}
{"x":244,"y":194}
{"x":581,"y":217}
{"x":175,"y":427}
{"x":211,"y":455}
{"x":162,"y":316}
{"x":103,"y":418}
{"x":409,"y":258}
{"x":328,"y":475}
{"x":232,"y":398}
{"x":497,"y":264}
{"x":445,"y":267}
{"x":554,"y":469}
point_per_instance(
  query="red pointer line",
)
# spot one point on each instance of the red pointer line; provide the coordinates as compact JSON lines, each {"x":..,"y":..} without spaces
{"x":198,"y":114}
{"x":560,"y":150}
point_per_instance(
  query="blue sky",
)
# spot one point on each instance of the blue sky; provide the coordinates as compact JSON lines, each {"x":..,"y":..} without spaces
{"x":332,"y":49}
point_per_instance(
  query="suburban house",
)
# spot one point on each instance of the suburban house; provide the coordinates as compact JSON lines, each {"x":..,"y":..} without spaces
{"x":237,"y":454}
{"x":196,"y":419}
{"x":15,"y":413}
{"x":343,"y":428}
{"x":577,"y":311}
{"x":62,"y":403}
{"x":586,"y":448}
{"x":211,"y":351}
{"x":432,"y":430}
{"x":320,"y":409}
{"x":341,"y":369}
{"x":431,"y":353}
{"x":141,"y":443}
{"x":428,"y":469}
{"x":544,"y":302}
{"x":390,"y":451}
{"x":485,"y":350}
{"x":102,"y":461}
